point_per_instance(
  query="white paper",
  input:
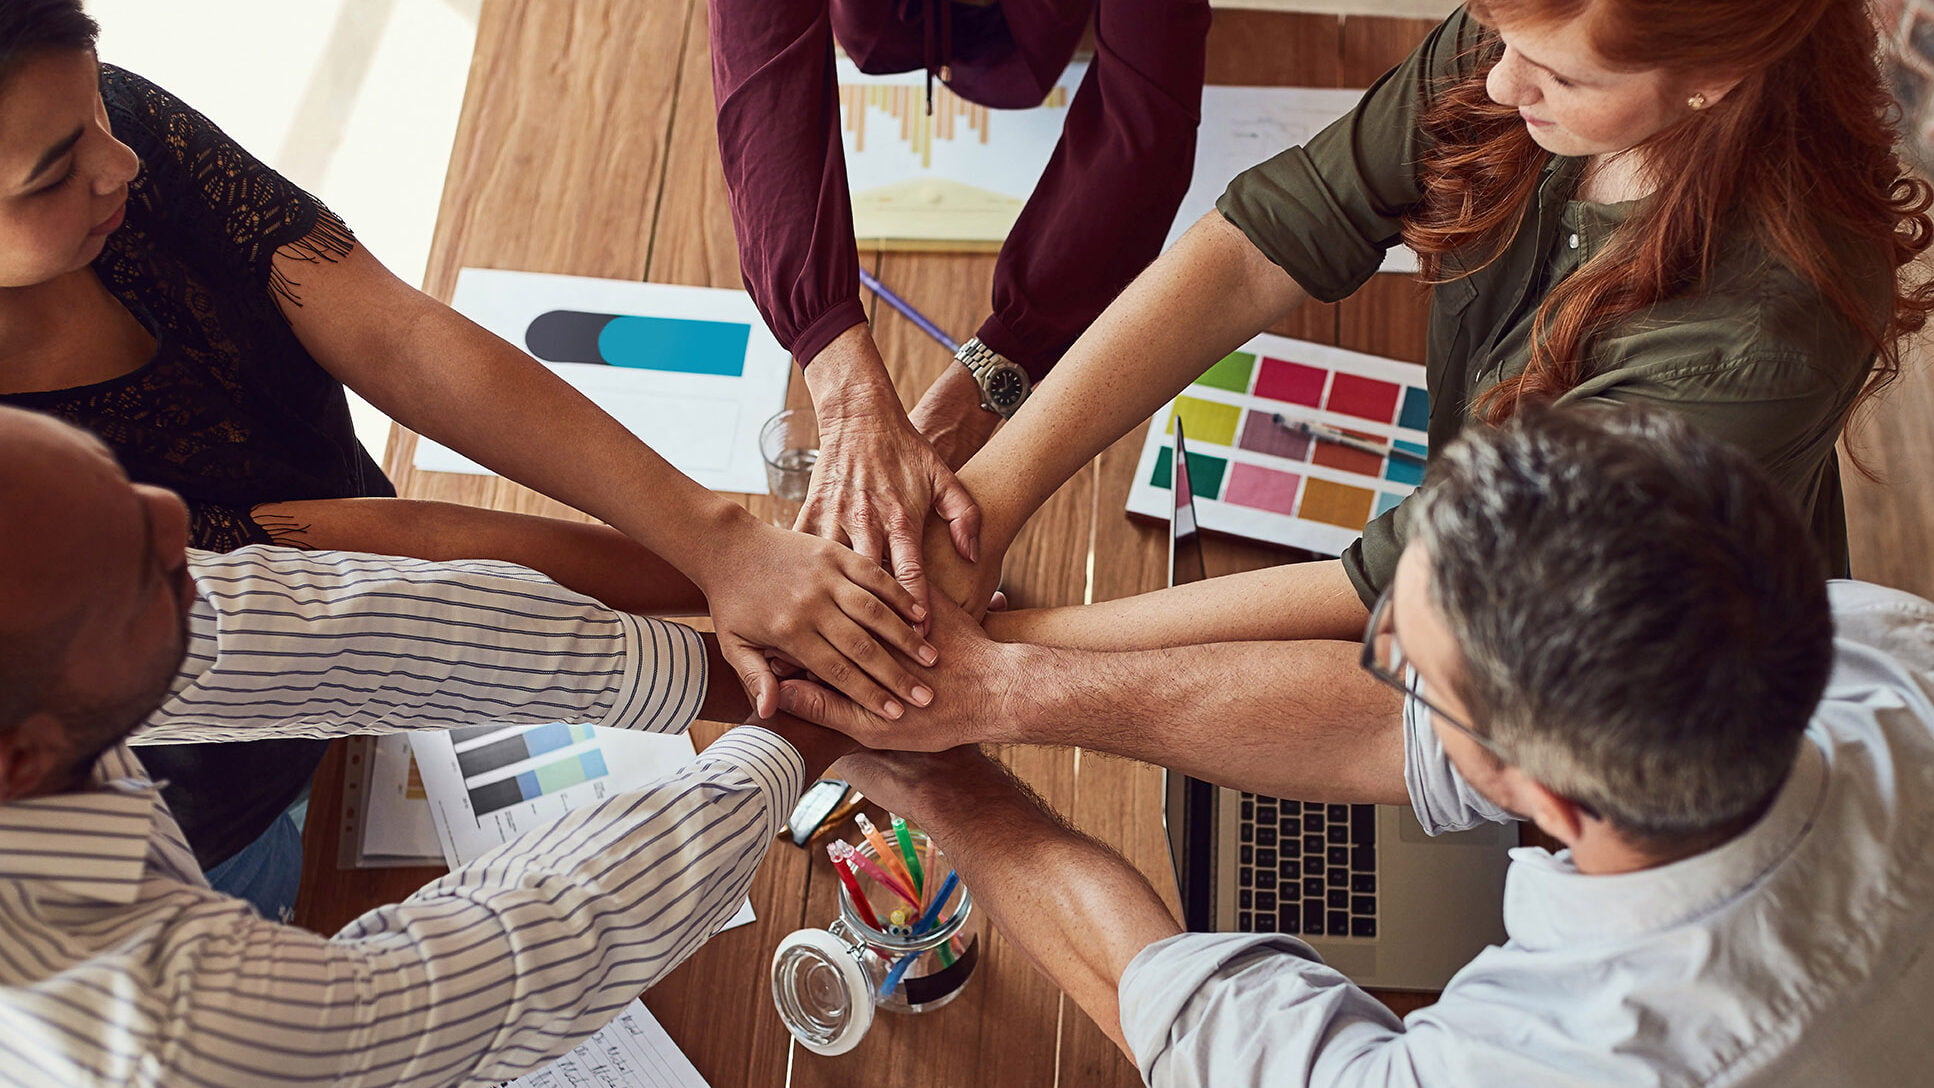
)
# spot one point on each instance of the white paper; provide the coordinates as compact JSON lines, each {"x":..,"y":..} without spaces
{"x":962,"y":174}
{"x":397,"y":823}
{"x":632,"y":1051}
{"x":630,"y":760}
{"x":1242,"y":126}
{"x":706,"y":425}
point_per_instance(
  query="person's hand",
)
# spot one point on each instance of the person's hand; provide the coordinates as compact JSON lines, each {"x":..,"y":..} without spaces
{"x":971,"y":585}
{"x":981,"y":691}
{"x":951,"y":419}
{"x":917,"y":785}
{"x":876,"y":478}
{"x":776,"y":594}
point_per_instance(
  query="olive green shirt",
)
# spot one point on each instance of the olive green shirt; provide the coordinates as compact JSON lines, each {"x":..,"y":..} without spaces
{"x":1756,"y":356}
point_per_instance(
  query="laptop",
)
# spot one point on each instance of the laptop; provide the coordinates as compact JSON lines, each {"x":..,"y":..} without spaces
{"x":1379,"y":900}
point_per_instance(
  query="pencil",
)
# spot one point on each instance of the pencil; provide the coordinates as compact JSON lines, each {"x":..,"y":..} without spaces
{"x":906,"y":309}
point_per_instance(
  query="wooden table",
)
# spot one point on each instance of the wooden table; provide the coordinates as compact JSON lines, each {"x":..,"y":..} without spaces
{"x":586,"y":147}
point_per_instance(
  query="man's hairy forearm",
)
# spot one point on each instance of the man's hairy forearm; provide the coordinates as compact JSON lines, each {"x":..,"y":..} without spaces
{"x":1287,"y":719}
{"x":1078,"y":909}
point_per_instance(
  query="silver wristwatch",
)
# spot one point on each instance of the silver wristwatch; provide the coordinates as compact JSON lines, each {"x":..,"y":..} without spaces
{"x":1004,"y":386}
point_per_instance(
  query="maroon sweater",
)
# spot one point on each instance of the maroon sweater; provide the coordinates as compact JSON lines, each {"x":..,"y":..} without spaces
{"x":1097,"y":216}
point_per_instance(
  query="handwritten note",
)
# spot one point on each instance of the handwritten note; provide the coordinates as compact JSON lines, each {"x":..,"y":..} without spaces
{"x":632,"y":1051}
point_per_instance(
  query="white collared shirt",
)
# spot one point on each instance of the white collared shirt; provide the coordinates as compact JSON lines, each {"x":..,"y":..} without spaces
{"x":119,"y":966}
{"x":1796,"y":953}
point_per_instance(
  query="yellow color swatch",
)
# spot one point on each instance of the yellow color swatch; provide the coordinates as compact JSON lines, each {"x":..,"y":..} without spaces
{"x":1207,"y":420}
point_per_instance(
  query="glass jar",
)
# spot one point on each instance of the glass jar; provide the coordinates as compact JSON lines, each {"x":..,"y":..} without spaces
{"x":828,"y":982}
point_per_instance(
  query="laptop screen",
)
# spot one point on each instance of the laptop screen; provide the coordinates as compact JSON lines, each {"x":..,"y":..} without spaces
{"x":1184,"y":536}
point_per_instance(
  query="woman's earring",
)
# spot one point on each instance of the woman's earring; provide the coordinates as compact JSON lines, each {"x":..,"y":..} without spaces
{"x":1697,"y":101}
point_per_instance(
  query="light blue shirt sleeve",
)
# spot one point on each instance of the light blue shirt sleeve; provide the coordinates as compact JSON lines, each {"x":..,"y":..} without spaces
{"x":1440,"y":797}
{"x":1220,"y":1009}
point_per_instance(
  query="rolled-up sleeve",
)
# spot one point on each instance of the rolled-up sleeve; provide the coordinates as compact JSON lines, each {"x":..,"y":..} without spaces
{"x":1442,"y":799}
{"x":1326,"y":212}
{"x":1221,"y":1009}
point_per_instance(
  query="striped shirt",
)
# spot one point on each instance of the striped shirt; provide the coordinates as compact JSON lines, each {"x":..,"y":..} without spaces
{"x":118,"y":965}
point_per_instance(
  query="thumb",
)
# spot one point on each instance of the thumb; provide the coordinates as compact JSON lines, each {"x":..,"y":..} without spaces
{"x":761,"y":686}
{"x":821,"y":706}
{"x":958,"y":509}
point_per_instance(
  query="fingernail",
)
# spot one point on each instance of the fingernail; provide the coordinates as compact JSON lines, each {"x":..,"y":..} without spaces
{"x":894,"y":709}
{"x":919,"y":612}
{"x":973,"y":551}
{"x":928,"y":656}
{"x":922,"y":695}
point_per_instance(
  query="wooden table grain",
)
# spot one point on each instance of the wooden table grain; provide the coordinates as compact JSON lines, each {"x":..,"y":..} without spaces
{"x":586,"y":146}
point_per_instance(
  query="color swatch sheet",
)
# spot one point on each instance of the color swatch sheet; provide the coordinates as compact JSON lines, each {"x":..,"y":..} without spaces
{"x":632,"y":1051}
{"x":1255,"y":478}
{"x":692,"y":371}
{"x":488,"y":784}
{"x":1243,"y":126}
{"x":957,"y":176}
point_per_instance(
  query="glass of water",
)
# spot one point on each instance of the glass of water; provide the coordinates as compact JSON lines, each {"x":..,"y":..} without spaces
{"x":789,"y":442}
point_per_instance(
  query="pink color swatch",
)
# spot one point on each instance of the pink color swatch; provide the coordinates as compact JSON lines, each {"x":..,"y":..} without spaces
{"x":1262,"y":488}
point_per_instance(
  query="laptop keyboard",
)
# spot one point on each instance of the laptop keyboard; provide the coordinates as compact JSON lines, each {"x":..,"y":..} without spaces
{"x":1308,"y":869}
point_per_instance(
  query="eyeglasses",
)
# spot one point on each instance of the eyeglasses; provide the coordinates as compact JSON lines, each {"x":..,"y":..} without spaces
{"x":1388,"y":665}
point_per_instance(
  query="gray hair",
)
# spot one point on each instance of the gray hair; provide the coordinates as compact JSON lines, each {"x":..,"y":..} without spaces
{"x":1641,"y":613}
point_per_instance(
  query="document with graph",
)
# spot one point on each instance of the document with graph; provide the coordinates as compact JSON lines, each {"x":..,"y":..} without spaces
{"x":488,"y":784}
{"x":1258,"y":478}
{"x":692,"y":371}
{"x":955,"y":179}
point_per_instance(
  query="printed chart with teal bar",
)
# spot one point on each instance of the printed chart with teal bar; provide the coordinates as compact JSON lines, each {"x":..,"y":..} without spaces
{"x":1255,"y":478}
{"x":692,"y":371}
{"x":488,"y":784}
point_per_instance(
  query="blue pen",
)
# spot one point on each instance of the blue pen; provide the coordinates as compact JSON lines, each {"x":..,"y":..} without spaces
{"x":939,"y":900}
{"x":906,"y":308}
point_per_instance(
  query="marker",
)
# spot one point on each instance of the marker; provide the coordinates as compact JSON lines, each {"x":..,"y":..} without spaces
{"x":1324,"y":433}
{"x":907,"y":853}
{"x":860,"y":905}
{"x":887,"y":855}
{"x":939,"y":900}
{"x":881,"y":876}
{"x":906,"y":309}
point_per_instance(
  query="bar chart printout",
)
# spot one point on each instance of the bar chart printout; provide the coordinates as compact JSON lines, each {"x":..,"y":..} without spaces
{"x":504,"y":767}
{"x":1258,"y":478}
{"x":489,"y":784}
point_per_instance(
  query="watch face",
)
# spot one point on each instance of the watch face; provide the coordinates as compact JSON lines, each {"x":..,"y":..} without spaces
{"x":1006,"y":388}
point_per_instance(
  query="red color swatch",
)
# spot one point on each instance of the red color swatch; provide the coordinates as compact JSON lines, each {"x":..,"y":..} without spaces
{"x":1365,"y":398}
{"x":1293,"y":383}
{"x":1331,"y":455}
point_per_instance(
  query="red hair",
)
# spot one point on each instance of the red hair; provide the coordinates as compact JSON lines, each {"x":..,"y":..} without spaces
{"x":1799,"y":154}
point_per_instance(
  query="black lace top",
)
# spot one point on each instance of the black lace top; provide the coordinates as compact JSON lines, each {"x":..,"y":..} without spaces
{"x":231,"y":410}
